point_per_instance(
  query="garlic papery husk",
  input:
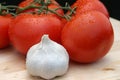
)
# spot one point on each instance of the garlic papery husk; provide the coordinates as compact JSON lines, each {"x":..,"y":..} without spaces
{"x":47,"y":59}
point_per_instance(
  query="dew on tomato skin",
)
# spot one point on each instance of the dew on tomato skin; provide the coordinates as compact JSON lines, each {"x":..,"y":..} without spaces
{"x":91,"y":21}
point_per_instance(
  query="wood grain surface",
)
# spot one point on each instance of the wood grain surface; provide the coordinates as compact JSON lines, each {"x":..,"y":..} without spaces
{"x":12,"y":64}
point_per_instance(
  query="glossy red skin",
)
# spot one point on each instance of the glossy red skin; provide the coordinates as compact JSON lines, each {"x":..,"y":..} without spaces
{"x":88,"y":5}
{"x":82,"y":2}
{"x":27,"y":30}
{"x":4,"y":25}
{"x":88,"y":37}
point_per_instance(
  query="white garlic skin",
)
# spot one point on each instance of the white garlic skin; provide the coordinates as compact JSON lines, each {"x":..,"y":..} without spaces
{"x":47,"y":59}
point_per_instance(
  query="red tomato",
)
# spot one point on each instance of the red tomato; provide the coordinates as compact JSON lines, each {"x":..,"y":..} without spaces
{"x":51,"y":6}
{"x":4,"y":25}
{"x":27,"y":30}
{"x":81,"y":2}
{"x":88,"y":5}
{"x":88,"y":37}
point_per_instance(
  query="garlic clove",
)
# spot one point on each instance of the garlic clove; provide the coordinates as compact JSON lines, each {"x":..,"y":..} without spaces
{"x":47,"y":59}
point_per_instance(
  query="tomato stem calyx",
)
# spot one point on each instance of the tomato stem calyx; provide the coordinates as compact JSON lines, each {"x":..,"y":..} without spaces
{"x":42,"y":7}
{"x":9,"y":9}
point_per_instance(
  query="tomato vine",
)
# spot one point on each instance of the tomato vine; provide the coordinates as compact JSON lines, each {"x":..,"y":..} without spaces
{"x":43,"y":8}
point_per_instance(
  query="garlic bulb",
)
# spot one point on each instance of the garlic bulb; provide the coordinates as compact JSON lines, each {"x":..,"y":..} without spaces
{"x":47,"y":59}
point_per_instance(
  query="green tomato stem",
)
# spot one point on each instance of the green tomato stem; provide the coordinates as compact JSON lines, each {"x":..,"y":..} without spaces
{"x":43,"y":8}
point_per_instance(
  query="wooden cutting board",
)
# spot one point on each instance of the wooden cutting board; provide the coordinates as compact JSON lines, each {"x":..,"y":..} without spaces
{"x":12,"y":64}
